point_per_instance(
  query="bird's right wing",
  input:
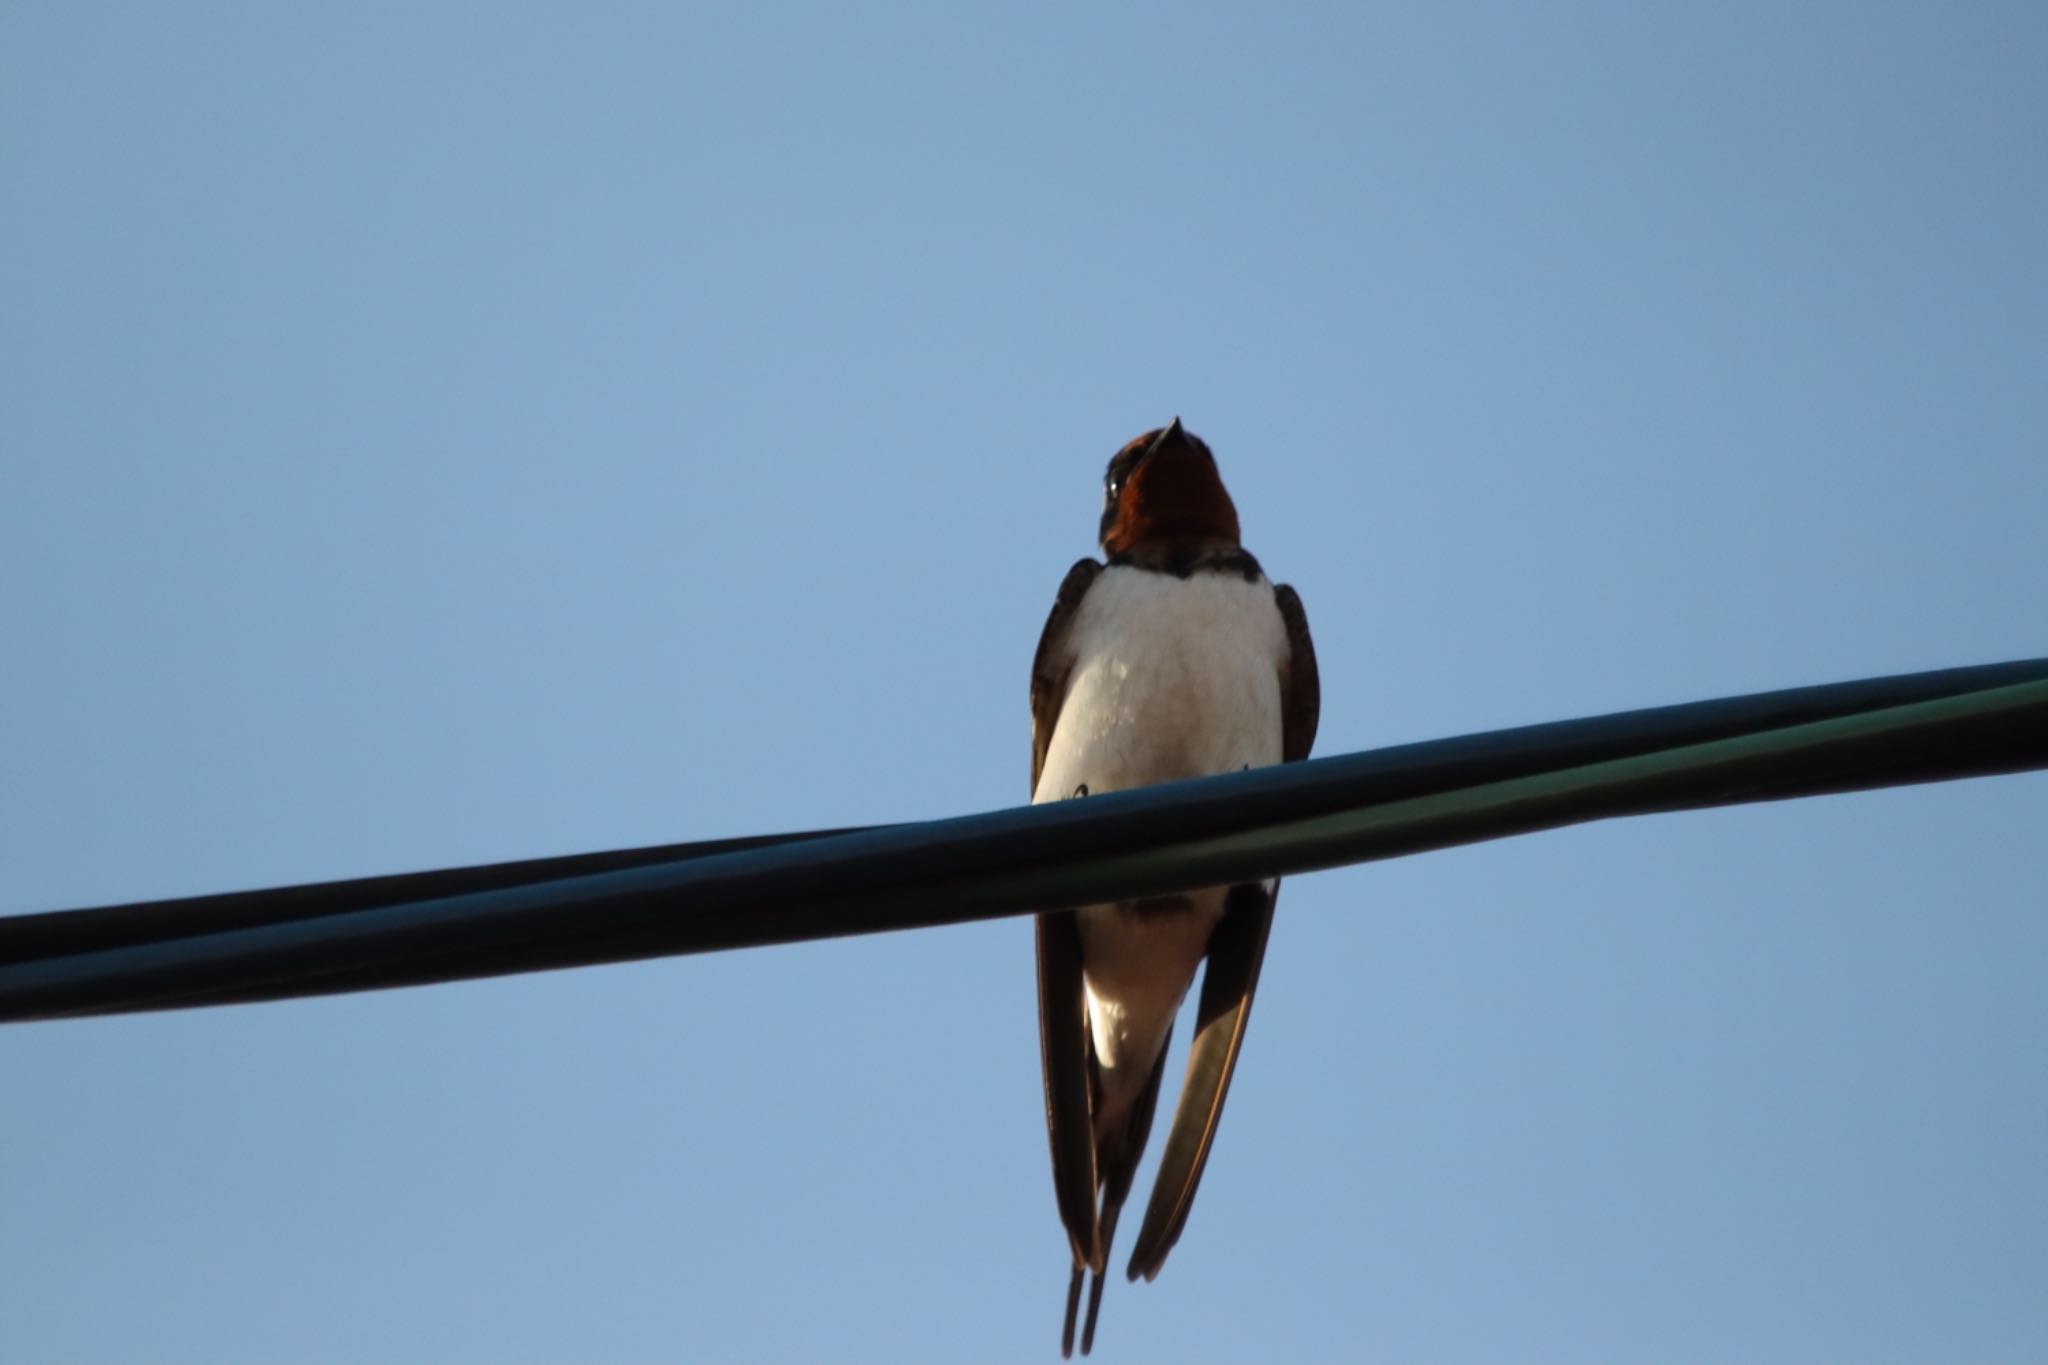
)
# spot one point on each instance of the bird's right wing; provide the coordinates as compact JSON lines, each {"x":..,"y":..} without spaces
{"x":1053,"y":662}
{"x":1063,"y":1039}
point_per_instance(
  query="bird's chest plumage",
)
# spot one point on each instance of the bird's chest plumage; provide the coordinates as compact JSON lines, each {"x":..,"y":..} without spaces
{"x":1171,"y":678}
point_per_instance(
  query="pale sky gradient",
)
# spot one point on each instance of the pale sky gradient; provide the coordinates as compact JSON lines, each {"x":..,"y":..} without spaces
{"x":432,"y":434}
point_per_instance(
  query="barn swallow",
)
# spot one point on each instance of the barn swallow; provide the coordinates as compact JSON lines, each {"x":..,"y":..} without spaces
{"x":1175,"y":658}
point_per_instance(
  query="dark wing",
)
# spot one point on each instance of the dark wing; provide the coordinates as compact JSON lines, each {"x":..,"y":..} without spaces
{"x":1068,"y":1056}
{"x":1301,"y":687}
{"x":1051,"y":664}
{"x":1064,"y":1045}
{"x":1062,"y":1005}
{"x":1236,"y":951}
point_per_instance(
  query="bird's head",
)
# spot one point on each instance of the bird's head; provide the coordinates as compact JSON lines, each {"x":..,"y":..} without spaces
{"x":1163,"y":488}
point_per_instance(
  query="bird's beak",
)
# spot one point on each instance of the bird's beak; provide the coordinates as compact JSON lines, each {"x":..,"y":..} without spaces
{"x":1167,"y":436}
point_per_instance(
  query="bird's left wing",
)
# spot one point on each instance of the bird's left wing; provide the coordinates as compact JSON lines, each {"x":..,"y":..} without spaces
{"x":1237,"y":949}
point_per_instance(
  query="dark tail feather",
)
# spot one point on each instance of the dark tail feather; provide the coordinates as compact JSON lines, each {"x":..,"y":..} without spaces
{"x":1108,"y":1171}
{"x":1094,"y":1307}
{"x":1117,"y":1165}
{"x":1073,"y":1306}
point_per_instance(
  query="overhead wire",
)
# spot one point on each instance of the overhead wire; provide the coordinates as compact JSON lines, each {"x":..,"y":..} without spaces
{"x":545,"y":914}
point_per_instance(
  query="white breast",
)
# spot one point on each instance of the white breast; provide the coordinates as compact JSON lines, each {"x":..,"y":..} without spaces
{"x":1171,"y":678}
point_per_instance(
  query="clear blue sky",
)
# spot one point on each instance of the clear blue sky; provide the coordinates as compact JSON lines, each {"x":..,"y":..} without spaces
{"x":432,"y":434}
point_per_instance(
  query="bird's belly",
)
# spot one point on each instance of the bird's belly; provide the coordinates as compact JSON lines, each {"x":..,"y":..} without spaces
{"x":1138,"y":962}
{"x":1171,"y":680}
{"x":1125,"y":726}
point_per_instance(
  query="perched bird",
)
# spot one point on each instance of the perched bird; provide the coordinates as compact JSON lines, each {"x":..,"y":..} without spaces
{"x":1175,"y":659}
